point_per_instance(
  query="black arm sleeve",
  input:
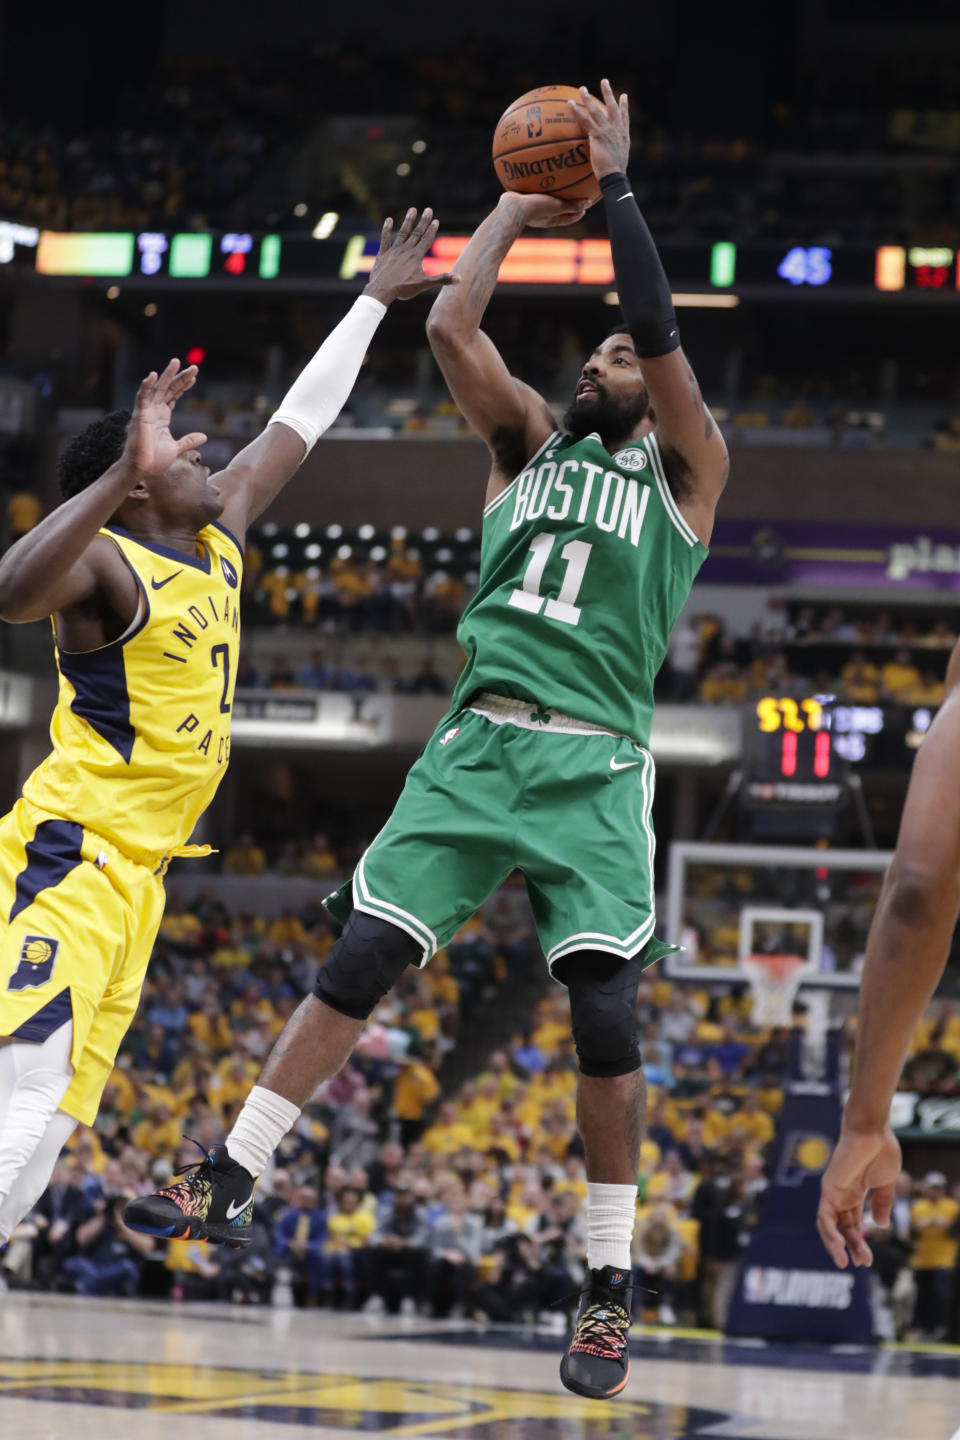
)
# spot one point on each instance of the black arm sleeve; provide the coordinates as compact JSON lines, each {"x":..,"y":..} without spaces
{"x":645,"y":300}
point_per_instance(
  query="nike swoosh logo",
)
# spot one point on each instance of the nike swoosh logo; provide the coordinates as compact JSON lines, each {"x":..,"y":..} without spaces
{"x":624,"y":765}
{"x":159,"y":584}
{"x":234,"y":1210}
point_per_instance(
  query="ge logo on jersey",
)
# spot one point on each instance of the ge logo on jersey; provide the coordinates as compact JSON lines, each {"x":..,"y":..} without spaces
{"x":38,"y":955}
{"x":631,"y":459}
{"x":450,"y":735}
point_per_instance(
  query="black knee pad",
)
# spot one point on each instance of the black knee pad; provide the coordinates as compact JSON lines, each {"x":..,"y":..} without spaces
{"x":364,"y":964}
{"x":603,"y":1009}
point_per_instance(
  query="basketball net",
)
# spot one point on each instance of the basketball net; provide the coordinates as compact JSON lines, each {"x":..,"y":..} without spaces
{"x":774,"y":982}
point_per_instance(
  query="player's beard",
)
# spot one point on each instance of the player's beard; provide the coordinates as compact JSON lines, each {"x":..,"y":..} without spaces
{"x":611,"y":419}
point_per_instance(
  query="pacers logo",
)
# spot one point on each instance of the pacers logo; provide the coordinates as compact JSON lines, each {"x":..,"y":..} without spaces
{"x":631,"y":459}
{"x":38,"y":955}
{"x":805,"y":1155}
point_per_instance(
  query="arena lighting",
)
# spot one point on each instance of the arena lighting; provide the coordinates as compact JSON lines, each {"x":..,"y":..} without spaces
{"x":378,"y":553}
{"x":113,"y":292}
{"x":190,"y":256}
{"x":463,"y":534}
{"x":302,"y":530}
{"x":366,"y":532}
{"x":418,"y":147}
{"x":690,"y":300}
{"x":269,"y":257}
{"x":326,"y":225}
{"x":707,"y":301}
{"x":61,"y":254}
{"x":150,"y":310}
{"x":334,"y":531}
{"x":723,"y":263}
{"x":344,"y":552}
{"x":11,"y":234}
{"x":312,"y":552}
{"x":403,"y":169}
{"x":891,"y":267}
{"x":300,"y":210}
{"x":279,"y":551}
{"x":430,"y":534}
{"x":399,"y":532}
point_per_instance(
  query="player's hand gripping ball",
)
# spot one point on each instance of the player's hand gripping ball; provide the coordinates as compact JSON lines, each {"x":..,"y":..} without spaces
{"x":541,"y":148}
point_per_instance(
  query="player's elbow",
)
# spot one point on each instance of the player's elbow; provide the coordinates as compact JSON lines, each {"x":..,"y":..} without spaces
{"x":444,"y":333}
{"x":917,"y":892}
{"x":15,"y":608}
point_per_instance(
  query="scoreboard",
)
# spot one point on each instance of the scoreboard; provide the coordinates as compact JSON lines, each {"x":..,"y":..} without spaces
{"x":721,"y":269}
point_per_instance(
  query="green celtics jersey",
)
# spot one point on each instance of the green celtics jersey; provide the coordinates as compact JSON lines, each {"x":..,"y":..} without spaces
{"x":585,"y":564}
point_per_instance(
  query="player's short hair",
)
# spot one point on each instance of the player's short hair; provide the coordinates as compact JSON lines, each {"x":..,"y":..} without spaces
{"x":92,"y":452}
{"x":620,"y":328}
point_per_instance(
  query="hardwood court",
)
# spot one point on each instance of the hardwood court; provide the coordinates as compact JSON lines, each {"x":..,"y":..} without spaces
{"x":73,"y":1368}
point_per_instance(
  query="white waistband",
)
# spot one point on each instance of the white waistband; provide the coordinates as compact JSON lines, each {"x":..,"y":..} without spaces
{"x":502,"y":710}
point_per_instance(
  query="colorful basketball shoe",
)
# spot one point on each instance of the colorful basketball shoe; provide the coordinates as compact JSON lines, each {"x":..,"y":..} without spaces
{"x":597,"y":1362}
{"x":214,"y":1202}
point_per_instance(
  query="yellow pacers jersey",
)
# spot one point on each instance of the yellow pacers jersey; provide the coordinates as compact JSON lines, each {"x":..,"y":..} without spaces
{"x":141,"y":731}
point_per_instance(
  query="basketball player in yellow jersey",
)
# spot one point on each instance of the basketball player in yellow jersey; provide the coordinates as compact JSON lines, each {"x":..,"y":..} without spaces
{"x":140,"y":569}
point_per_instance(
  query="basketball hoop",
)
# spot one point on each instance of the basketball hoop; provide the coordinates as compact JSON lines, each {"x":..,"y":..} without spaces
{"x":774,"y":982}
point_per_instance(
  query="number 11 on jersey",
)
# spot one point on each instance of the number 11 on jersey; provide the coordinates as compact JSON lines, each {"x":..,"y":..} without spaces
{"x":565,"y":609}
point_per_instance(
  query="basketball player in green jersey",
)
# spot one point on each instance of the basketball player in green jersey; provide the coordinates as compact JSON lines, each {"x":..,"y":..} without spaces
{"x":592,"y":536}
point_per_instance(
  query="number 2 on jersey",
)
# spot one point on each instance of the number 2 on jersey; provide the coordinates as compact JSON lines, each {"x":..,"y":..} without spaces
{"x":528,"y":597}
{"x":217,"y":654}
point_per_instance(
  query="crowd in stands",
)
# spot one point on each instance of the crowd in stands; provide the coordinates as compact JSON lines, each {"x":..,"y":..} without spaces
{"x":863,"y":655}
{"x":396,"y":1193}
{"x":191,"y":144}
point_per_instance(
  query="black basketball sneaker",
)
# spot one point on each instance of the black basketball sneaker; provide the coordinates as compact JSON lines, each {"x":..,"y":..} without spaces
{"x":597,"y":1362}
{"x":214,"y":1202}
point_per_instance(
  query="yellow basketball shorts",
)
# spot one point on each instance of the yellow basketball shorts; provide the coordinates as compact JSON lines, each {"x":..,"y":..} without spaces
{"x":78,"y":919}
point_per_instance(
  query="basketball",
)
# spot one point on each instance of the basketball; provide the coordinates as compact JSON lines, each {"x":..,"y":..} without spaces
{"x":539,"y":146}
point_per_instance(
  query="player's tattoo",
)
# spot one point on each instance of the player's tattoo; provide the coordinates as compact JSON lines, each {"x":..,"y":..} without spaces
{"x":634,"y":1115}
{"x":488,"y":257}
{"x":698,"y":401}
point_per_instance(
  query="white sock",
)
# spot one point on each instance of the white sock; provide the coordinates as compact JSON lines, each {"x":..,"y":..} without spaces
{"x":611,"y":1214}
{"x":261,"y":1125}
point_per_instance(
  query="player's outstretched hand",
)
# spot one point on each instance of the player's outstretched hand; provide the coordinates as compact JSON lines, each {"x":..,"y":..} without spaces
{"x":862,"y":1161}
{"x":150,"y":447}
{"x":545,"y":211}
{"x":607,"y":123}
{"x":399,"y":271}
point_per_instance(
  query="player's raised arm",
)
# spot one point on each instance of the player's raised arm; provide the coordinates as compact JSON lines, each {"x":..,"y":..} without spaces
{"x":61,"y":562}
{"x":510,"y":416}
{"x":259,"y":472}
{"x":695,"y":455}
{"x":907,"y":950}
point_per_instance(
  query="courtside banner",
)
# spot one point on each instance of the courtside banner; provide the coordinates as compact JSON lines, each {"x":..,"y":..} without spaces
{"x":744,"y":552}
{"x":788,"y":1288}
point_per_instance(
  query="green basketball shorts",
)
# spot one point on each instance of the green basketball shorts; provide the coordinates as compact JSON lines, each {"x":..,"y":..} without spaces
{"x":504,"y":785}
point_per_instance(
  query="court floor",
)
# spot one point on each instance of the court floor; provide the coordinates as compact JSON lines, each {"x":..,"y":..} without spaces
{"x":72,"y":1368}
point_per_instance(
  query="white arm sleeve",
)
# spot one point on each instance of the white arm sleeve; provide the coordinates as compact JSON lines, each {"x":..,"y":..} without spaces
{"x":320,"y":391}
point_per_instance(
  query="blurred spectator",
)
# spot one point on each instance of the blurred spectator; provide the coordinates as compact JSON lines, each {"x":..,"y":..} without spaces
{"x":244,"y":857}
{"x":934,"y":1217}
{"x":109,"y":1257}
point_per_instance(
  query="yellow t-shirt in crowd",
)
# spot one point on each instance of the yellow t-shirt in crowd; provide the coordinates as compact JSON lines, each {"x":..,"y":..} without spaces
{"x":934,"y":1247}
{"x":349,"y":1232}
{"x":416,"y":1088}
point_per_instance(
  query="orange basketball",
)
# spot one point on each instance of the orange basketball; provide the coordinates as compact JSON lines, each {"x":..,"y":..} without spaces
{"x":538,"y":146}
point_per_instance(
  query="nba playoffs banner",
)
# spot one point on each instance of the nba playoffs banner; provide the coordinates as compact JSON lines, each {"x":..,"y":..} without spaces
{"x":744,"y":552}
{"x":788,"y":1287}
